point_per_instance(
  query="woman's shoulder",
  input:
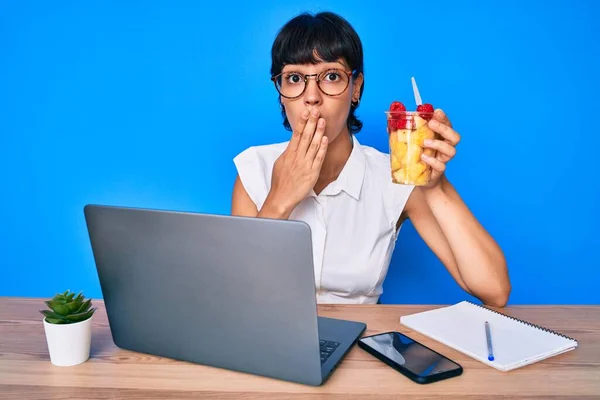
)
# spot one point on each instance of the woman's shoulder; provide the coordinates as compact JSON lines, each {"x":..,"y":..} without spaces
{"x":255,"y":166}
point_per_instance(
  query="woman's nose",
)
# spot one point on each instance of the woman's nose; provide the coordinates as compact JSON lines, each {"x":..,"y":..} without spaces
{"x":313,"y":95}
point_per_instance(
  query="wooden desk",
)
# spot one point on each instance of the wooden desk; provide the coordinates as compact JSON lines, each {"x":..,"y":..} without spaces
{"x":26,"y":371}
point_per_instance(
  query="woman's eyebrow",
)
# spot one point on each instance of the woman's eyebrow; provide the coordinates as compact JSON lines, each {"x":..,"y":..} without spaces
{"x":300,"y":68}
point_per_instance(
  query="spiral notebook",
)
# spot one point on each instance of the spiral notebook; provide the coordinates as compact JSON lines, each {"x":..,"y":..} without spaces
{"x":515,"y":342}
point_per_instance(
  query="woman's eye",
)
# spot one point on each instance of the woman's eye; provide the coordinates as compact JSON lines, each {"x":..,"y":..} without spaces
{"x":332,"y":76}
{"x":293,"y":78}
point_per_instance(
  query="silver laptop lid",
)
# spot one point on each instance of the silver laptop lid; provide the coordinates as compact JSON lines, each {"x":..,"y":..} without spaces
{"x":226,"y":291}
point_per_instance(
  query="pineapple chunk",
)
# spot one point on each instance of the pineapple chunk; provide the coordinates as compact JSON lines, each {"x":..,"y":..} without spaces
{"x":421,"y":134}
{"x":419,"y":122}
{"x":396,"y":164}
{"x":393,"y":138}
{"x":415,"y":170}
{"x":413,"y":154}
{"x":424,"y":178}
{"x":399,"y":150}
{"x":402,"y":134}
{"x":399,"y":176}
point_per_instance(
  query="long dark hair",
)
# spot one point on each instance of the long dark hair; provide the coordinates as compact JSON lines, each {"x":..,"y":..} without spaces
{"x":326,"y":35}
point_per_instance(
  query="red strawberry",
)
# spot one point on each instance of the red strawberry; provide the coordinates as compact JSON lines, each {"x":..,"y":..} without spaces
{"x":425,"y":108}
{"x":398,"y":123}
{"x":397,"y":120}
{"x":397,"y":106}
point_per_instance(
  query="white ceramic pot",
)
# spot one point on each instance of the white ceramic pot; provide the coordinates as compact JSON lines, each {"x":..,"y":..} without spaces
{"x":69,"y":344}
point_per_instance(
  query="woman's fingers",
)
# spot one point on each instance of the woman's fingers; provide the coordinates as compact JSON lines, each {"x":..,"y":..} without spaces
{"x":436,"y":164}
{"x":320,"y":157}
{"x":442,"y":147}
{"x":448,"y":133}
{"x":316,"y":141}
{"x":308,"y":132}
{"x":441,"y":116}
{"x":297,"y":134}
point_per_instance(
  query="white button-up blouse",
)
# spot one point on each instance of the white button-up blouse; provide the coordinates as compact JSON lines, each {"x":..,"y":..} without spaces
{"x":353,"y":220}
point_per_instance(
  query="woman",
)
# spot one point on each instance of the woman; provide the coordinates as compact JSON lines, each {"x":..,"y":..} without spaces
{"x":342,"y":189}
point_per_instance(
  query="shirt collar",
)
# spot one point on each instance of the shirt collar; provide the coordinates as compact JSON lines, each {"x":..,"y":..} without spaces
{"x":352,"y":176}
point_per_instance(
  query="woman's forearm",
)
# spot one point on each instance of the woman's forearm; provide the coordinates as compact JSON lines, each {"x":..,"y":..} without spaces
{"x":480,"y":260}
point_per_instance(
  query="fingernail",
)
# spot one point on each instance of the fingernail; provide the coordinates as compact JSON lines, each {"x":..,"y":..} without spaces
{"x":315,"y":113}
{"x":321,"y":123}
{"x":305,"y":114}
{"x":424,"y":156}
{"x":428,"y":142}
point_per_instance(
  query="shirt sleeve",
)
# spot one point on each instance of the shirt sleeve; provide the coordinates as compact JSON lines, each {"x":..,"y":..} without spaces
{"x":253,"y":175}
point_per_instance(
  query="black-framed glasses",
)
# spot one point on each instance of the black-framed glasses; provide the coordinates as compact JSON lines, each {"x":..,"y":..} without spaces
{"x":292,"y":84}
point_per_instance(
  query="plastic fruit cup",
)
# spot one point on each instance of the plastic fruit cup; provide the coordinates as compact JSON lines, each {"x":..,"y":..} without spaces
{"x":407,"y":131}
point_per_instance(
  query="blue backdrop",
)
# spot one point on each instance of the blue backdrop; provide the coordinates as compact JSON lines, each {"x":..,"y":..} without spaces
{"x":145,"y":104}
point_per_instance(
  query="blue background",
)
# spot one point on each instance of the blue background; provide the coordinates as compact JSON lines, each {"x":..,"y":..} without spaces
{"x":145,"y":104}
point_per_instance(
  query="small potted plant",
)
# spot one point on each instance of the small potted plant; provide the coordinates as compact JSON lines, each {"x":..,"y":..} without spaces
{"x":68,"y":327}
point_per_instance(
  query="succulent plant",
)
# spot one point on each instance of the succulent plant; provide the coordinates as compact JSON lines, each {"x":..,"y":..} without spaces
{"x":66,"y":308}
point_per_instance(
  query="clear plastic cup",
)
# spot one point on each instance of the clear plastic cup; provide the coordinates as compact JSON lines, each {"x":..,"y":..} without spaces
{"x":407,"y":130}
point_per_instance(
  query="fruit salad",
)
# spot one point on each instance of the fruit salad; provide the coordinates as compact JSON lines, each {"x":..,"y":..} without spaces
{"x":407,"y":131}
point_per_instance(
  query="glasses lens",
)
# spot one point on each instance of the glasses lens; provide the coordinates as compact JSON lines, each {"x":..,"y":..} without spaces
{"x":333,"y":82}
{"x":290,"y":84}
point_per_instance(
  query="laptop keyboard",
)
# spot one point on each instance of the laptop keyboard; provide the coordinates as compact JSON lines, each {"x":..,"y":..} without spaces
{"x":327,"y":348}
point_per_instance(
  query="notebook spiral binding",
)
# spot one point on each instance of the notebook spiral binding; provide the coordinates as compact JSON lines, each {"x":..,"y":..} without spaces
{"x":524,"y":322}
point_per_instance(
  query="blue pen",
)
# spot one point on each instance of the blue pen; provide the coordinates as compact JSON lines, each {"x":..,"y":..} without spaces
{"x":488,"y":336}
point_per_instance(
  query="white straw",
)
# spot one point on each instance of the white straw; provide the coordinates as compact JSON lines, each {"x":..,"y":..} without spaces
{"x":416,"y":91}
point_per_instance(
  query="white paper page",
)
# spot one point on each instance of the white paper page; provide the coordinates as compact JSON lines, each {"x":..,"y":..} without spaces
{"x":462,"y":327}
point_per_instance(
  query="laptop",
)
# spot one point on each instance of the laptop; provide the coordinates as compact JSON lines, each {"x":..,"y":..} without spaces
{"x":225,"y":291}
